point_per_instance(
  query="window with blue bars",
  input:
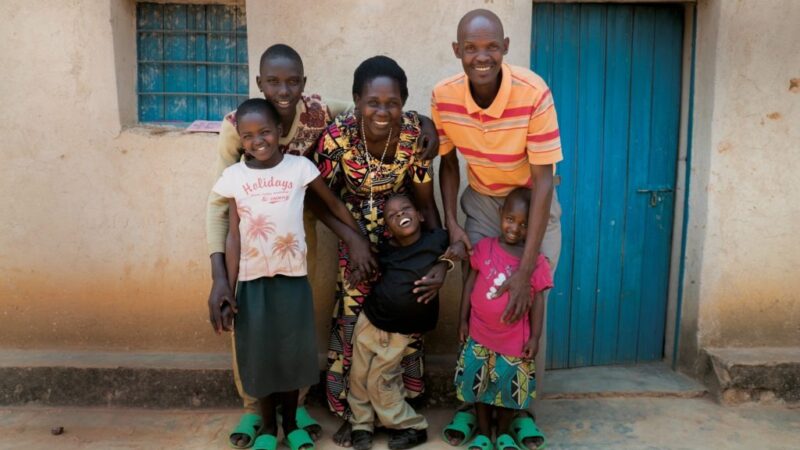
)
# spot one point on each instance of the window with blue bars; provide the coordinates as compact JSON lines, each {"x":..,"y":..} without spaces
{"x":192,"y":61}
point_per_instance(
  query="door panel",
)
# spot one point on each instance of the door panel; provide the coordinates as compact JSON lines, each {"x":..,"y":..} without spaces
{"x":615,"y":75}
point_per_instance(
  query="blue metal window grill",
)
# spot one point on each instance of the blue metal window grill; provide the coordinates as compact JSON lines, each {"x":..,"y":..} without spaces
{"x":192,"y":61}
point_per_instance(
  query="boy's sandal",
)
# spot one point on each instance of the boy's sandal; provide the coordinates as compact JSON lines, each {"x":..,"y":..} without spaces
{"x":506,"y":442}
{"x":480,"y":442}
{"x":306,"y":422}
{"x":249,"y":426}
{"x":266,"y":442}
{"x":523,"y":428}
{"x":299,"y":439}
{"x":361,"y":439}
{"x":463,"y":422}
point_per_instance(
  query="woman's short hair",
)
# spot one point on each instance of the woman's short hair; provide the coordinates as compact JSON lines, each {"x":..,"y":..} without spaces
{"x":379,"y":66}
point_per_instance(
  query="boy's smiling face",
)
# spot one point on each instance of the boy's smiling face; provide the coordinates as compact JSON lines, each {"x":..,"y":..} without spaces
{"x":282,"y":81}
{"x":402,"y":219}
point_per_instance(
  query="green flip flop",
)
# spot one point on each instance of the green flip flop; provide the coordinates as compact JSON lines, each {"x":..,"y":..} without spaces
{"x":463,"y":422}
{"x":249,"y":425}
{"x":525,"y":428}
{"x":480,"y":442}
{"x":306,"y":422}
{"x":506,"y":442}
{"x":266,"y":442}
{"x":298,"y":439}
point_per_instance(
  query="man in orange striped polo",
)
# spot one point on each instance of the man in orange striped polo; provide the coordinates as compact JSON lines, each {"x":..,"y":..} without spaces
{"x":502,"y":120}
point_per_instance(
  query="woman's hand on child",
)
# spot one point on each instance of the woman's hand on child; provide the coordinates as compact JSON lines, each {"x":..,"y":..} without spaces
{"x":220,"y":296}
{"x":428,"y":286}
{"x":362,"y":260}
{"x":463,"y":331}
{"x":531,"y":348}
{"x":428,"y":140}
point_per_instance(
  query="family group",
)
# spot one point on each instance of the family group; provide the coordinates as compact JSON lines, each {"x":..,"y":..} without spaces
{"x":365,"y":170}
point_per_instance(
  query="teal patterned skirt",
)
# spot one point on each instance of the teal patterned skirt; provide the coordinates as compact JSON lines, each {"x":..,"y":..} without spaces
{"x":485,"y":376}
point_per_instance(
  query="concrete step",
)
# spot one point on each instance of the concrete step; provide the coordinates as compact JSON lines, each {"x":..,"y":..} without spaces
{"x":152,"y":380}
{"x":205,"y":380}
{"x":641,"y":380}
{"x":762,"y":374}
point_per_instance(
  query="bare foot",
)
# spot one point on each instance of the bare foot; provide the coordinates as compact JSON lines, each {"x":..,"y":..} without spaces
{"x":342,"y":436}
{"x":454,"y":438}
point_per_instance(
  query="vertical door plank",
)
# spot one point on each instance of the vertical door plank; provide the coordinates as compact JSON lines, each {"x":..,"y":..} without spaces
{"x":637,"y":204}
{"x":588,"y":176}
{"x":661,"y":171}
{"x":566,"y":31}
{"x":614,"y":176}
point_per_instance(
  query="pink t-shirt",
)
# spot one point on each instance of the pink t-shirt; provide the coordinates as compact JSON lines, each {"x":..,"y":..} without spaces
{"x":494,"y":265}
{"x":270,"y":207}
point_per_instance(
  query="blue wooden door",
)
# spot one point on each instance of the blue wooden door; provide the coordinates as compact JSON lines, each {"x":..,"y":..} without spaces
{"x":615,"y":73}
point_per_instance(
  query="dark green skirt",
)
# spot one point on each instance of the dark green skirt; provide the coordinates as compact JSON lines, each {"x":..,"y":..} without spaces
{"x":276,"y":347}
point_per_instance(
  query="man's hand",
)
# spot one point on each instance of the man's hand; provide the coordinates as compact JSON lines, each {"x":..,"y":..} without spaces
{"x":428,"y":139}
{"x":429,"y":285}
{"x":531,"y":348}
{"x":457,"y":234}
{"x":518,"y":286}
{"x":456,"y":251}
{"x":463,"y":331}
{"x":220,"y":296}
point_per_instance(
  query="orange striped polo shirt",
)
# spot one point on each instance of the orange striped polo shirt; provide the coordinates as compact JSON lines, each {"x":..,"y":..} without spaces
{"x":500,"y":142}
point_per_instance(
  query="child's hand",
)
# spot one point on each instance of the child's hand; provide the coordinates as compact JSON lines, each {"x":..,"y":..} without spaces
{"x":227,"y":317}
{"x":456,"y":251}
{"x":463,"y":331}
{"x":531,"y":348}
{"x":220,"y":295}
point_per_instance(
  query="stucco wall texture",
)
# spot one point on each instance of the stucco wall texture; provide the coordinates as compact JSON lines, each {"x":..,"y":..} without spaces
{"x":102,"y":239}
{"x":743,"y":249}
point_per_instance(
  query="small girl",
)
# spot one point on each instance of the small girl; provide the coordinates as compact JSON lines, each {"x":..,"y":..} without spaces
{"x":276,"y":348}
{"x":496,"y":369}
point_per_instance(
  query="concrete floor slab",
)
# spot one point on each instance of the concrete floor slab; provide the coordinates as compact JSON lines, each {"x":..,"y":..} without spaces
{"x":627,"y":423}
{"x":645,"y":380}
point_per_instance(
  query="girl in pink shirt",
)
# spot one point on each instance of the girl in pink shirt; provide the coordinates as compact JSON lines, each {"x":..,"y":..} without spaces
{"x":496,"y":369}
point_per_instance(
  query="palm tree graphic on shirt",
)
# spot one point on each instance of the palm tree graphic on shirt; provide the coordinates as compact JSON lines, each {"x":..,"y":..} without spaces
{"x":287,"y":246}
{"x":258,"y":229}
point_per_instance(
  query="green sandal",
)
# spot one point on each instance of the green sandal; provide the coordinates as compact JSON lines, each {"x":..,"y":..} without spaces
{"x":525,"y":428}
{"x":306,"y":422}
{"x":480,"y":442}
{"x":463,"y":422}
{"x":298,"y":439}
{"x":249,"y":425}
{"x":266,"y":442}
{"x":505,"y":442}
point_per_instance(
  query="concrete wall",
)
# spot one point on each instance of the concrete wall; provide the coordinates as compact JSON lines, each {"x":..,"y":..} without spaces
{"x":742,"y":287}
{"x":102,"y":238}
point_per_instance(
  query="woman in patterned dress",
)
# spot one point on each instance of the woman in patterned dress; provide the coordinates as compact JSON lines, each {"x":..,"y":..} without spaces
{"x":364,"y":175}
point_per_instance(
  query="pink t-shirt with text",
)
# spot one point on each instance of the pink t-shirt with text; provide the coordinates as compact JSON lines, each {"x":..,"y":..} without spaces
{"x":494,"y":265}
{"x":270,"y":207}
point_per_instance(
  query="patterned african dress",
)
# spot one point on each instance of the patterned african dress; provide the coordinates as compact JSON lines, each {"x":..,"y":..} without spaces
{"x":343,"y":163}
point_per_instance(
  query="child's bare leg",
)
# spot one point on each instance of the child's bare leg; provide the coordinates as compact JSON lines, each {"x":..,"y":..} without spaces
{"x":484,"y":419}
{"x":267,"y":406}
{"x":288,"y":401}
{"x":504,"y":418}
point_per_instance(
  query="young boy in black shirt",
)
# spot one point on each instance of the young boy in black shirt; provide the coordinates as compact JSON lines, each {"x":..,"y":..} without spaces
{"x":391,"y":315}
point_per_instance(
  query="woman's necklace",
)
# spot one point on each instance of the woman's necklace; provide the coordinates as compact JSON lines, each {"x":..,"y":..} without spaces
{"x":370,"y":171}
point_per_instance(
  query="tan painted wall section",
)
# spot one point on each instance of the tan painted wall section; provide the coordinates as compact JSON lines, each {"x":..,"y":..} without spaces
{"x":102,"y":239}
{"x":743,"y":253}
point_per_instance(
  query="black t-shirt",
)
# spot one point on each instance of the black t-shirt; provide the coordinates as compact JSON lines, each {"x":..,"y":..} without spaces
{"x":392,"y":306}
